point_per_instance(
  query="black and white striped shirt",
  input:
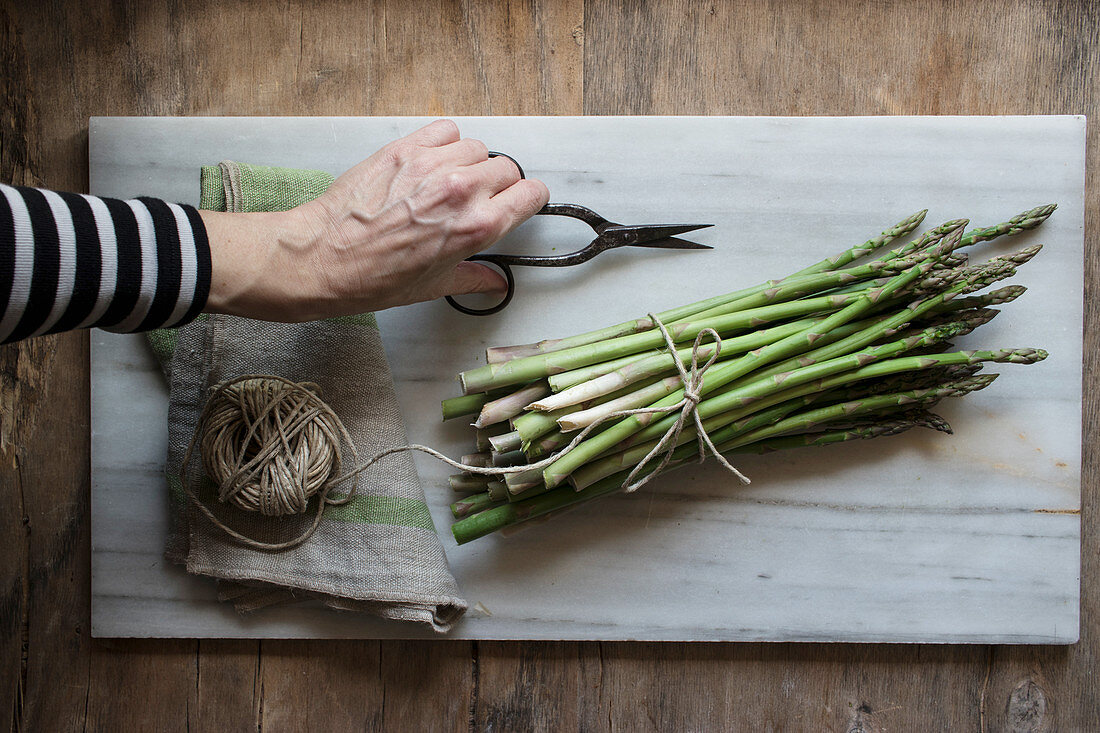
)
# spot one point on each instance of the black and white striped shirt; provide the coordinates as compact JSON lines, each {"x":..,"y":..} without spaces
{"x":75,"y":261}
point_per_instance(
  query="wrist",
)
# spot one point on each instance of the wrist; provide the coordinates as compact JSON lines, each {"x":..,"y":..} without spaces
{"x":246,"y":252}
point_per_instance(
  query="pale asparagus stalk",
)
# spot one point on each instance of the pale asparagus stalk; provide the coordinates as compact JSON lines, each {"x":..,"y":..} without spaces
{"x":638,"y":398}
{"x":533,"y":425}
{"x":664,"y":363}
{"x":507,"y":407}
{"x":565,"y":380}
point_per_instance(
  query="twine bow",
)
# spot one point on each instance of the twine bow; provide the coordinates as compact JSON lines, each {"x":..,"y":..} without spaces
{"x":688,"y":407}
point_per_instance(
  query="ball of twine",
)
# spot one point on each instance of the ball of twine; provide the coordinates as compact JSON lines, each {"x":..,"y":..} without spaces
{"x":269,"y":445}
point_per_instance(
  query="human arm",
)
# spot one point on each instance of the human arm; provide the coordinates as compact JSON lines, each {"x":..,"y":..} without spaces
{"x":394,"y":229}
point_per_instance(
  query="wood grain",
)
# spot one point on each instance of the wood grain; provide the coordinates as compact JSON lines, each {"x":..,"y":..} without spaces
{"x":60,"y":64}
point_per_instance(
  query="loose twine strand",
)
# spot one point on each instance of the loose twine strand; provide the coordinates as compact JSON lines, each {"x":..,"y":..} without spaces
{"x":271,"y":444}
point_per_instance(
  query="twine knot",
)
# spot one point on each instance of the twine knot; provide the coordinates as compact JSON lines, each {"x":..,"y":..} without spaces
{"x":692,"y":379}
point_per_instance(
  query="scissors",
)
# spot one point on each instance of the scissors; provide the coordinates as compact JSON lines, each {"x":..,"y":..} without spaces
{"x":609,"y":235}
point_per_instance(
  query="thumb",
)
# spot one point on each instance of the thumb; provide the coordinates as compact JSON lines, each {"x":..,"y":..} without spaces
{"x":470,"y":277}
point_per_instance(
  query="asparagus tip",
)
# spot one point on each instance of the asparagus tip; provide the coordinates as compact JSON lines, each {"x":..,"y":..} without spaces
{"x":1022,"y":257}
{"x":1039,"y":213}
{"x":1006,"y":294}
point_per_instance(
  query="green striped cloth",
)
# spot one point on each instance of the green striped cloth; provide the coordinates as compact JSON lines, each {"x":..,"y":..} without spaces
{"x":378,"y":553}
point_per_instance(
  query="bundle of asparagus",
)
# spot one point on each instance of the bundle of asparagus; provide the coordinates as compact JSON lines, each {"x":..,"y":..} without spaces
{"x":837,"y":351}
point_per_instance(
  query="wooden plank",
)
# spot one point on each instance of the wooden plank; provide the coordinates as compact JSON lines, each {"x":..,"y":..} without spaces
{"x":55,"y":488}
{"x":817,"y":57}
{"x":43,"y":479}
{"x":311,"y":685}
{"x":138,"y":685}
{"x":227,"y":681}
{"x":545,"y":686}
{"x":1037,"y":688}
{"x":14,"y":539}
{"x":365,"y":685}
{"x":788,"y":686}
{"x":427,"y":685}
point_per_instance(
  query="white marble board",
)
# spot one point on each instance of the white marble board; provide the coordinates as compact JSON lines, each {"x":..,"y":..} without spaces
{"x":925,"y":537}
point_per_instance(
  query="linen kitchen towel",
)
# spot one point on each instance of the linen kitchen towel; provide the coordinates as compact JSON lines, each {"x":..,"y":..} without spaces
{"x":379,"y":552}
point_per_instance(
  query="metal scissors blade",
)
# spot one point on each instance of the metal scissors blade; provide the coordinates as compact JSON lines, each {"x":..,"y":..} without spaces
{"x":662,"y":236}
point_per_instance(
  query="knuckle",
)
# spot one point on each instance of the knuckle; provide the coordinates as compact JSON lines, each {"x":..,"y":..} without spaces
{"x":482,"y":225}
{"x":457,"y":186}
{"x":399,"y":151}
{"x":478,"y":148}
{"x":447,"y":126}
{"x":420,"y":165}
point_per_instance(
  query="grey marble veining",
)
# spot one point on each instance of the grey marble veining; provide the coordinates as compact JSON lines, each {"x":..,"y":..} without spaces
{"x":973,"y":537}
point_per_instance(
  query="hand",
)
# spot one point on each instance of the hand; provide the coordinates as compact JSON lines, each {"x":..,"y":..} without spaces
{"x":393,"y":230}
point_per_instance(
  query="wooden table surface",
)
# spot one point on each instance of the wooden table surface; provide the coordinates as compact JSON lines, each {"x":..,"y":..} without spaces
{"x":61,"y":64}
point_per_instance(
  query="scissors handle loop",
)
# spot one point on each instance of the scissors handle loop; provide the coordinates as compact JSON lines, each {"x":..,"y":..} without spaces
{"x":508,"y":277}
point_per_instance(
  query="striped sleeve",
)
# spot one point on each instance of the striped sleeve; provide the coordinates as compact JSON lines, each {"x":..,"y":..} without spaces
{"x":74,"y":261}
